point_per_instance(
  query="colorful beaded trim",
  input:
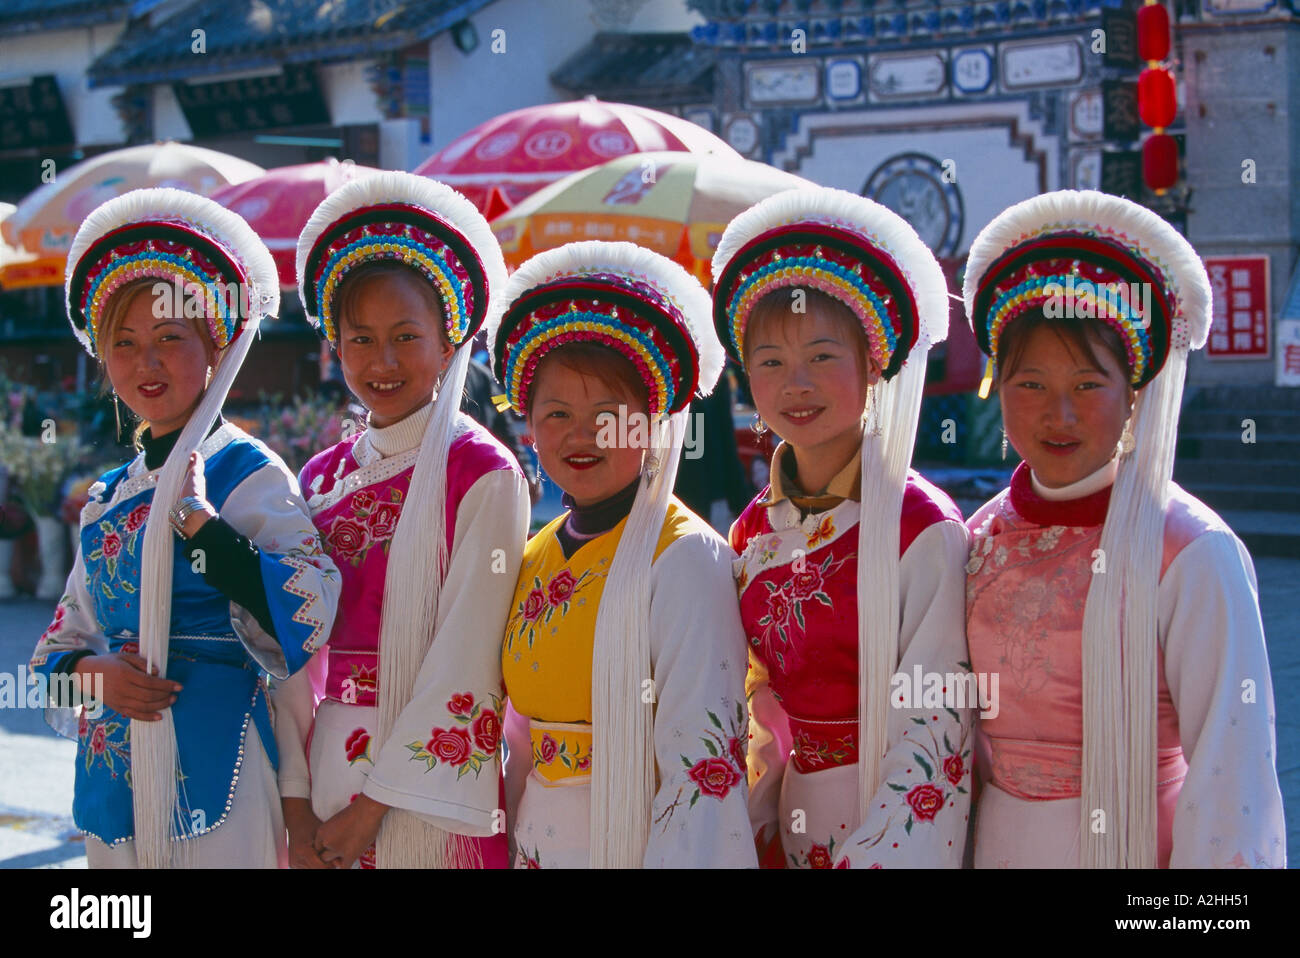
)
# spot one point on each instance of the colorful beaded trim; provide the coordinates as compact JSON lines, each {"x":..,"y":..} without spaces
{"x":1083,"y":276}
{"x":454,"y":272}
{"x":625,"y":315}
{"x":826,"y":259}
{"x":123,"y":256}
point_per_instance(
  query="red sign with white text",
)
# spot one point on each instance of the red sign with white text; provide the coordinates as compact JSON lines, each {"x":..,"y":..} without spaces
{"x":1241,"y":307}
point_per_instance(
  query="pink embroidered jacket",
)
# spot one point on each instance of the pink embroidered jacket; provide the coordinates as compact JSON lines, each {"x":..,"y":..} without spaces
{"x":1030,"y":568}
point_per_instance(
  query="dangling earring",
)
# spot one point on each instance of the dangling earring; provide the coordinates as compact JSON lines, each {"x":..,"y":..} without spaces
{"x":873,"y":411}
{"x":1004,"y":444}
{"x":1127,"y":441}
{"x":758,"y":425}
{"x":117,"y":417}
{"x":651,"y":466}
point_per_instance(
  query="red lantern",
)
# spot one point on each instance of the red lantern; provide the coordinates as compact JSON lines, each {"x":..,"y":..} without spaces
{"x":1160,"y":161}
{"x":1153,"y":32}
{"x":1157,"y":98}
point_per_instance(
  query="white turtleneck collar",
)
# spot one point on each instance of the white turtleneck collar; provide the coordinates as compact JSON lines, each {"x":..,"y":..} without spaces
{"x":1086,"y":486}
{"x":400,"y":436}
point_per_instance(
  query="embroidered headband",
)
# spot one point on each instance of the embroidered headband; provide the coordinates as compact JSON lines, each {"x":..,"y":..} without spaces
{"x":409,"y":219}
{"x":618,"y":295}
{"x":844,"y":245}
{"x":1089,"y":255}
{"x":204,"y":253}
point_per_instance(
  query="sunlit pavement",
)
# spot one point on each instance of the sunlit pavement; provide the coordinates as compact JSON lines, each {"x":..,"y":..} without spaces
{"x":36,"y":766}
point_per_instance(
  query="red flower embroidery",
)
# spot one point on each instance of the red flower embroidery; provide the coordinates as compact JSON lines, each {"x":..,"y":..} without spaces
{"x":367,"y":859}
{"x":532,"y":863}
{"x":83,"y":725}
{"x":137,"y":517}
{"x":112,"y":545}
{"x":714,"y":776}
{"x":98,"y":740}
{"x":844,"y":863}
{"x":132,"y":647}
{"x":778,"y":604}
{"x":487,"y":731}
{"x":383,"y":520}
{"x":584,"y":763}
{"x":737,"y":752}
{"x":926,"y":800}
{"x":804,"y":584}
{"x":357,"y":746}
{"x":560,"y":588}
{"x":819,"y":856}
{"x":450,"y":745}
{"x":534,"y":605}
{"x":54,"y":626}
{"x":346,"y":538}
{"x":462,"y":703}
{"x":954,"y":768}
{"x":363,"y":501}
{"x":548,"y":749}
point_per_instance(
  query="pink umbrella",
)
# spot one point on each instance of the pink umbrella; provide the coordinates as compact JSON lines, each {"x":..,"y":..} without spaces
{"x":278,"y":204}
{"x":506,"y":159}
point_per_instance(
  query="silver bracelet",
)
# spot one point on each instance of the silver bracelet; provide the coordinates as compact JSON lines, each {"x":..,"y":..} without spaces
{"x":183,"y":510}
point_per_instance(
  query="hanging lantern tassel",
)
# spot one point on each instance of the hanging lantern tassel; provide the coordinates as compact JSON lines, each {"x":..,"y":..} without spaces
{"x":1160,"y":162}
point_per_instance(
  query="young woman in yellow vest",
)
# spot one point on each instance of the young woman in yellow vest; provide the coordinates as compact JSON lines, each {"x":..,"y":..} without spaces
{"x":623,"y":655}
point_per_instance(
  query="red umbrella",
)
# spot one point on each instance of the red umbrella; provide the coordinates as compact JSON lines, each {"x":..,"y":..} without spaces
{"x":278,"y":204}
{"x":504,"y":160}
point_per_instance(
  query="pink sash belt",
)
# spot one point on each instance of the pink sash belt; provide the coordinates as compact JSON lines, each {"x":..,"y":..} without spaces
{"x":1040,"y":771}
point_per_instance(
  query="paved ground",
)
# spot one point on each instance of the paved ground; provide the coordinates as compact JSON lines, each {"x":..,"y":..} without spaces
{"x":36,"y":766}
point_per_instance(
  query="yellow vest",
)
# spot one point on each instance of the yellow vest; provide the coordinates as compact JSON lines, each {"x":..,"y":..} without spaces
{"x":547,"y":653}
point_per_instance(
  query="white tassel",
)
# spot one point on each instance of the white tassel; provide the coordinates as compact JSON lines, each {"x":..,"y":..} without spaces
{"x":154,"y":757}
{"x":417,"y":565}
{"x":623,"y":762}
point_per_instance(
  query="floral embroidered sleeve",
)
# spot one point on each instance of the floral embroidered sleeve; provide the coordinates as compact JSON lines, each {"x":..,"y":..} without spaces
{"x":301,"y":582}
{"x":442,"y":760}
{"x":699,"y":817}
{"x":1229,"y":812}
{"x":73,"y":630}
{"x":919,"y":815}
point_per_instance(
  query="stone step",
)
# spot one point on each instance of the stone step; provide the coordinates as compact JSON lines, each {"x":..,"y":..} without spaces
{"x":1228,"y":447}
{"x":1236,"y":496}
{"x":1242,"y":472}
{"x":1276,"y":424}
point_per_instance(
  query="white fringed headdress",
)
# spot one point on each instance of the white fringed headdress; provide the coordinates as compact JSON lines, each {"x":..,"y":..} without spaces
{"x":628,"y":299}
{"x":870,"y":259}
{"x":439,"y":234}
{"x":174,"y":237}
{"x":1102,"y":239}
